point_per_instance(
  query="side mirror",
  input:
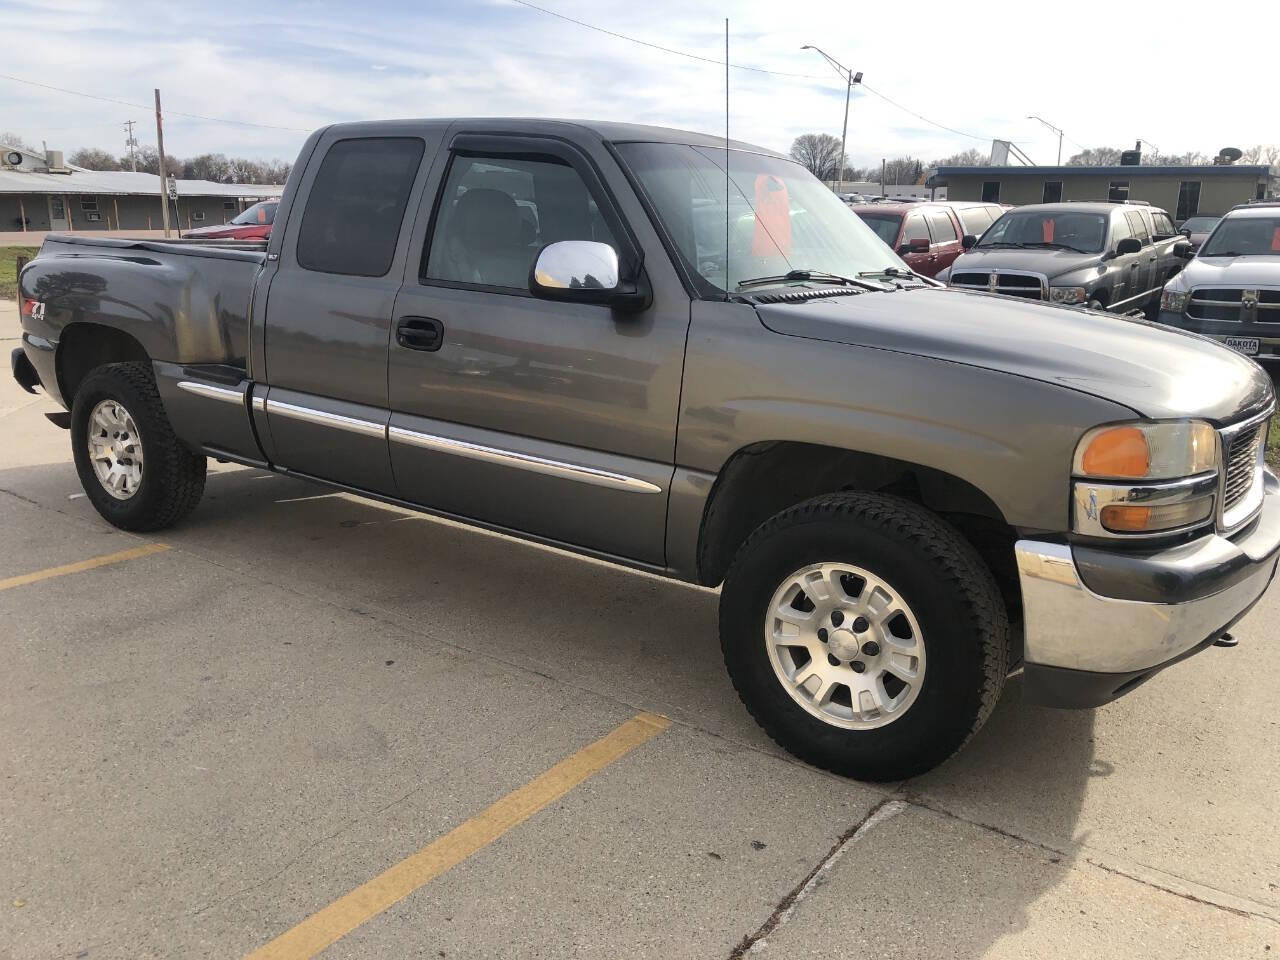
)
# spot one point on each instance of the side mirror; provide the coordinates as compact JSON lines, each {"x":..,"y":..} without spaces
{"x":583,"y":271}
{"x":969,"y":241}
{"x":1128,"y":245}
{"x":917,"y":245}
{"x":1184,"y":250}
{"x":1185,"y":232}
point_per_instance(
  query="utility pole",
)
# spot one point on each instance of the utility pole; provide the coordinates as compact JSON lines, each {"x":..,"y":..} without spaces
{"x":131,"y":142}
{"x":850,"y":78}
{"x":164,"y":172}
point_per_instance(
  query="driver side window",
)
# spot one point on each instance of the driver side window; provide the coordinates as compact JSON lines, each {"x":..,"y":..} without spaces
{"x":497,"y":213}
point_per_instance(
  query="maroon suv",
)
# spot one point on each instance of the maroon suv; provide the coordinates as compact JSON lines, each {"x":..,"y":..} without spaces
{"x":928,"y":235}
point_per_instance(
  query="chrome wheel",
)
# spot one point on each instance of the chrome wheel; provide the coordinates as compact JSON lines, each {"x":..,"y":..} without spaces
{"x":115,"y":449}
{"x":845,"y":646}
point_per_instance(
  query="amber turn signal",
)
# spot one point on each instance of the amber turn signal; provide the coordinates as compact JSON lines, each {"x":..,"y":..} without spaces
{"x":1117,"y":452}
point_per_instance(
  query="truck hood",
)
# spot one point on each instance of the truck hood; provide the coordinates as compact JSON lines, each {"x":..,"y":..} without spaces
{"x":1262,"y":271}
{"x":1154,"y":370}
{"x":1052,"y":263}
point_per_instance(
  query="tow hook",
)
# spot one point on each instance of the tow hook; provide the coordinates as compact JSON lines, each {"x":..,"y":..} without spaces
{"x":1226,"y":640}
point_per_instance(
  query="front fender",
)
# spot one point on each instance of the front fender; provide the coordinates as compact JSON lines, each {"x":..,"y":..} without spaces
{"x":1010,"y":437}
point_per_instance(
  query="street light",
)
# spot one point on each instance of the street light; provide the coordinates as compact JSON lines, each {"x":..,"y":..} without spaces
{"x":850,"y":79}
{"x":1057,"y":130}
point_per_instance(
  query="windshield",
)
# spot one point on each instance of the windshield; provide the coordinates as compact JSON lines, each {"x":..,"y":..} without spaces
{"x":1244,"y":237}
{"x":1200,"y":224}
{"x":780,"y":218}
{"x":259,"y":214}
{"x":886,"y":228}
{"x":1084,"y":232}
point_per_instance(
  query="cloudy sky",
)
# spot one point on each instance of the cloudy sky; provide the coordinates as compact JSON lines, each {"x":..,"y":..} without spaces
{"x":980,"y":68}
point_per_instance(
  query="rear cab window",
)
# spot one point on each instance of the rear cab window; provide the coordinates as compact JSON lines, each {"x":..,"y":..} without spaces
{"x":356,"y":206}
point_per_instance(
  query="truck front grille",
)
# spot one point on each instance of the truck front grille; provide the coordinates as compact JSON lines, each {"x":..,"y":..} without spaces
{"x":1240,"y":460}
{"x":1239,"y":304}
{"x":1010,"y":284}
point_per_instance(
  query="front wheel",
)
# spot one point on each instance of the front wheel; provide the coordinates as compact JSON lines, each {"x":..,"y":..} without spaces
{"x":864,"y":634}
{"x":134,"y":470}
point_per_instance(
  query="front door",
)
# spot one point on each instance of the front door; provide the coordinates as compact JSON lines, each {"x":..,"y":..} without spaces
{"x":915,"y":228}
{"x":553,"y":419}
{"x":330,"y":305}
{"x":946,"y":240}
{"x":58,"y":214}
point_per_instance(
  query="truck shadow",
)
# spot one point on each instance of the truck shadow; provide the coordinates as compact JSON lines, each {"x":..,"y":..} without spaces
{"x":654,"y":645}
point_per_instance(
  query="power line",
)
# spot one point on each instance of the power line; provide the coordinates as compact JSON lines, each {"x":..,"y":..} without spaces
{"x":143,"y":106}
{"x":656,"y":46}
{"x":739,"y":66}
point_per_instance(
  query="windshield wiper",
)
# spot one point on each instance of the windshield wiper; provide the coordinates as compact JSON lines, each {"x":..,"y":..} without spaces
{"x":892,"y":273}
{"x":995,"y":243}
{"x":820,"y":276}
{"x":1222,"y":253}
{"x":1055,"y":246}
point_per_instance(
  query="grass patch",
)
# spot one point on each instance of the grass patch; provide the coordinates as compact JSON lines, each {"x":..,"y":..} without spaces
{"x":9,"y":269}
{"x":1273,"y":442}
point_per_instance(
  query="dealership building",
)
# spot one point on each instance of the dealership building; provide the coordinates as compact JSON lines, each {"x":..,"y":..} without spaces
{"x":1184,"y":191}
{"x":41,"y":192}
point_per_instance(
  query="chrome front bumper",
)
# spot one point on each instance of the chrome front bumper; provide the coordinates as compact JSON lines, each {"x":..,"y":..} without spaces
{"x":1084,"y":647}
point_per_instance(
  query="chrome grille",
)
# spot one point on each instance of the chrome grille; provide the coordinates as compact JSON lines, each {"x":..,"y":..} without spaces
{"x":1241,"y":304}
{"x":1010,"y":284}
{"x":1240,"y":456}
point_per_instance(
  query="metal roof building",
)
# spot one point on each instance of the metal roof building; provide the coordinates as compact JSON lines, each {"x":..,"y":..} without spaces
{"x":42,"y":193}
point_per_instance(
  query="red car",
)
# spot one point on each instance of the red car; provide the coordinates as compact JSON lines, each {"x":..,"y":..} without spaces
{"x":927,"y":235}
{"x":253,"y":224}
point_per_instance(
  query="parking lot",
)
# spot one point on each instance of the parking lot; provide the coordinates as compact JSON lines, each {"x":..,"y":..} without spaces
{"x":211,"y":738}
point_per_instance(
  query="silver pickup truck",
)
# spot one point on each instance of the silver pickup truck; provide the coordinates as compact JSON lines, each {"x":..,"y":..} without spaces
{"x":560,"y":330}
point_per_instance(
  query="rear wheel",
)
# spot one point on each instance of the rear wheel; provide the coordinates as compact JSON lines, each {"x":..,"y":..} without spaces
{"x":134,"y":470}
{"x":864,"y":635}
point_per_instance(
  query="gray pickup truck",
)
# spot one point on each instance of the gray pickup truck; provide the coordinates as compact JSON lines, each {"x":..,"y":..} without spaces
{"x":907,"y":492}
{"x":1109,"y":256}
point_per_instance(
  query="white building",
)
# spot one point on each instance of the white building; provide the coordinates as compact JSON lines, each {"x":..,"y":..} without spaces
{"x":40,"y":193}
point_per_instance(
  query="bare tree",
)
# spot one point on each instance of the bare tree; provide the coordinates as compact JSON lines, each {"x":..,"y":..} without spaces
{"x":1267,"y":154}
{"x":903,"y":170}
{"x":969,"y":158}
{"x":1096,"y":157}
{"x":149,"y":162}
{"x":10,"y":139}
{"x":91,"y":158}
{"x":819,"y":153}
{"x":208,"y":166}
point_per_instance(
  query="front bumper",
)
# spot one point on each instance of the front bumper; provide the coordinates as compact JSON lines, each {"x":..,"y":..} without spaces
{"x":1084,"y":648}
{"x":1268,"y":343}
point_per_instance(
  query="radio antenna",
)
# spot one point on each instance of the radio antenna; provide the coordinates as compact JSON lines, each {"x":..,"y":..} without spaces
{"x":726,"y":159}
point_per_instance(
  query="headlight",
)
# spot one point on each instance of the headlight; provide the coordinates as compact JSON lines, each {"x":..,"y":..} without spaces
{"x":1067,"y":295}
{"x":1147,"y":451}
{"x":1145,"y":478}
{"x":1175,"y":301}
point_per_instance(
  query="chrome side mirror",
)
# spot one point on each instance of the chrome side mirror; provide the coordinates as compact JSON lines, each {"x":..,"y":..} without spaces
{"x":576,"y":270}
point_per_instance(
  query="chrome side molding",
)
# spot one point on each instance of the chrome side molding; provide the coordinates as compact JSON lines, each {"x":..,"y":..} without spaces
{"x":323,"y":418}
{"x":225,"y":394}
{"x":523,"y":461}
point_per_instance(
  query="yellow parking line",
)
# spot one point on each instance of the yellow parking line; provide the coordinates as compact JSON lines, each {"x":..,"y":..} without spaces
{"x":350,"y":911}
{"x":83,"y":565}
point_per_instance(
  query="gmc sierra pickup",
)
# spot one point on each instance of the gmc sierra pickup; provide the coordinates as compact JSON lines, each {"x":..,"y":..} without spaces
{"x":559,"y":330}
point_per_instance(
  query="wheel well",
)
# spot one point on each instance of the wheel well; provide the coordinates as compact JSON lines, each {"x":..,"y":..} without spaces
{"x":84,"y":346}
{"x":762,"y":479}
{"x":1103,"y":297}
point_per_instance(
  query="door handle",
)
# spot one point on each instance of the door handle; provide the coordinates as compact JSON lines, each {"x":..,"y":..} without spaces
{"x":420,"y":333}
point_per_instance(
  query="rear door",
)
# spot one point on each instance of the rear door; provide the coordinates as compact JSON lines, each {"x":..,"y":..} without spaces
{"x":945,"y":233}
{"x":1145,"y":275}
{"x":553,"y":419}
{"x":330,"y":304}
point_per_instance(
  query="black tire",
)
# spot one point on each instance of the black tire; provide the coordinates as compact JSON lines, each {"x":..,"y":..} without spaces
{"x":172,"y":476}
{"x":952,"y":593}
